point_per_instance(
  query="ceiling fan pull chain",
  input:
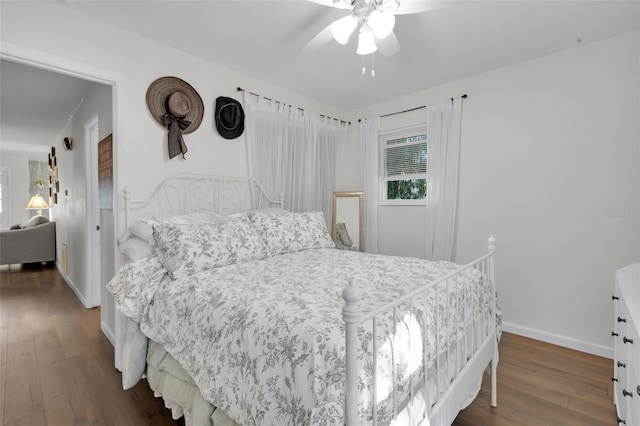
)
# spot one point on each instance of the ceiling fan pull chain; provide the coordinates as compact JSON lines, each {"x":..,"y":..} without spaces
{"x":373,"y":71}
{"x":364,"y":70}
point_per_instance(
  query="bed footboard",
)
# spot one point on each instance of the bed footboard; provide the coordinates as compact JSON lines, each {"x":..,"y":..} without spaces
{"x":454,"y":319}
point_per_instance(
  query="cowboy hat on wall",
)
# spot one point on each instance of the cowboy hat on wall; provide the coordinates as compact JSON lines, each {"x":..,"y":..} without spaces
{"x":175,"y":104}
{"x":229,"y":117}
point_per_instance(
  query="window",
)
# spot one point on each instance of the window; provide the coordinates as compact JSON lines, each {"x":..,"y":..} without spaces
{"x":404,"y":167}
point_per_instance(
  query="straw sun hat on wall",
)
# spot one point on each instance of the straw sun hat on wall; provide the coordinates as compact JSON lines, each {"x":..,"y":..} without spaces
{"x":175,"y":104}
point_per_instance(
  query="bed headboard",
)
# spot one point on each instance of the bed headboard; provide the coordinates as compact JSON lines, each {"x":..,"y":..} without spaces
{"x":191,"y":192}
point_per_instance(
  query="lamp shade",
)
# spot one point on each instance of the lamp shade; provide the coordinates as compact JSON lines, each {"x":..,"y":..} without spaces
{"x":366,"y":43}
{"x":343,"y":27}
{"x":37,"y":203}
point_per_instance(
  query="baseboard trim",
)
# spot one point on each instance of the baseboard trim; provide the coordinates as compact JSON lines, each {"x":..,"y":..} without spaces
{"x":73,"y":287}
{"x":110,"y":335}
{"x":556,"y":339}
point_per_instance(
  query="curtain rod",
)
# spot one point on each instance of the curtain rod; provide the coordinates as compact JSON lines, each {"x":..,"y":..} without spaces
{"x":410,"y":109}
{"x":240,"y":89}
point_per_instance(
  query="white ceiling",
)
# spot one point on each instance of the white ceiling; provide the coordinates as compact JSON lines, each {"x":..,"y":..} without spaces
{"x":264,"y":39}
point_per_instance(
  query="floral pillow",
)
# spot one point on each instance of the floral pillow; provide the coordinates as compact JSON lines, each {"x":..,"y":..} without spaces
{"x":189,"y":248}
{"x":291,"y":232}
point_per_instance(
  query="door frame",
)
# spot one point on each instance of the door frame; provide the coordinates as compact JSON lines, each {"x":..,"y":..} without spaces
{"x":92,"y":237}
{"x":44,"y":60}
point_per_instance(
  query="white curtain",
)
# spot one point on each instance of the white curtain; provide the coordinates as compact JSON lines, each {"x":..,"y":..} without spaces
{"x":369,"y":149}
{"x":293,"y":152}
{"x":443,"y":136}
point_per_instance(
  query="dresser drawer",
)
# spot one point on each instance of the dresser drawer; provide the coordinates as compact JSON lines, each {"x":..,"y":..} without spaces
{"x":633,"y":403}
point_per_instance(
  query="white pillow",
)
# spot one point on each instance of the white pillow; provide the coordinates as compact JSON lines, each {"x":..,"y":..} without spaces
{"x":35,"y":221}
{"x":186,"y":249}
{"x":136,"y":248}
{"x":291,"y":232}
{"x":143,"y":229}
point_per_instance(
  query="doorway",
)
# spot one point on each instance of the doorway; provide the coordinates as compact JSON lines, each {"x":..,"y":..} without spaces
{"x":77,"y":215}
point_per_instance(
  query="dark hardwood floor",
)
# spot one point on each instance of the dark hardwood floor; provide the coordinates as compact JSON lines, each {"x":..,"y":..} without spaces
{"x":56,"y":369}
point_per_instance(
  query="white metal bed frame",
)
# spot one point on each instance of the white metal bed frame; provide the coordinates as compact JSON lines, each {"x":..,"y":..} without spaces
{"x":185,"y":193}
{"x":478,"y":357}
{"x":191,"y":192}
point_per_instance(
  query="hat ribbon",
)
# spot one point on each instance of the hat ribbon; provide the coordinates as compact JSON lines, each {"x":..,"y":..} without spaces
{"x":176,"y":142}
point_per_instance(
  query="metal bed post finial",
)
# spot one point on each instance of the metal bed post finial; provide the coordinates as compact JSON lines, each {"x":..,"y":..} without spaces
{"x":492,"y":244}
{"x":351,"y":314}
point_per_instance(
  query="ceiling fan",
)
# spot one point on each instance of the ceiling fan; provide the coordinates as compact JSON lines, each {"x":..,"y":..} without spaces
{"x":375,"y":19}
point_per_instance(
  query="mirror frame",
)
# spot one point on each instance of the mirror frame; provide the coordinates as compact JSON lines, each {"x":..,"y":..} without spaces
{"x":346,"y":194}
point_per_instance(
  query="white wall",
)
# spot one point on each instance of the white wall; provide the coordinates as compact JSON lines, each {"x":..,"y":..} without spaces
{"x":71,"y":211}
{"x":142,"y":150}
{"x":550,"y":151}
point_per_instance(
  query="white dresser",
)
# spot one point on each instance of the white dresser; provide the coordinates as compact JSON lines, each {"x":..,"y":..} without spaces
{"x":626,"y":369}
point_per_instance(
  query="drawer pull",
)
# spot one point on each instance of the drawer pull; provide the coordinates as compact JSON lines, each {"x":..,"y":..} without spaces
{"x":621,"y":421}
{"x":613,"y":379}
{"x":626,"y":393}
{"x":625,"y":340}
{"x":621,"y":319}
{"x":614,"y":334}
{"x":622,"y":365}
{"x":614,"y":297}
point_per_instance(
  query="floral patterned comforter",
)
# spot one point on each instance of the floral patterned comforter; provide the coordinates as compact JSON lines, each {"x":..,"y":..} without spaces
{"x":264,"y":340}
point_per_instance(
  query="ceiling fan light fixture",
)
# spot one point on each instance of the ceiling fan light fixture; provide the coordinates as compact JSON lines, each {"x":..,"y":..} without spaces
{"x":381,"y":23}
{"x":343,"y":27}
{"x":366,"y":43}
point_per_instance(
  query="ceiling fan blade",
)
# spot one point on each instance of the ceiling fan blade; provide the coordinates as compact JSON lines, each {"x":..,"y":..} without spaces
{"x":338,"y":4}
{"x":419,"y":6}
{"x":389,"y":45}
{"x":322,"y":38}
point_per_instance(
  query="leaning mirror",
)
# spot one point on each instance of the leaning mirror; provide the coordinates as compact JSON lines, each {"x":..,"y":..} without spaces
{"x":347,"y":223}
